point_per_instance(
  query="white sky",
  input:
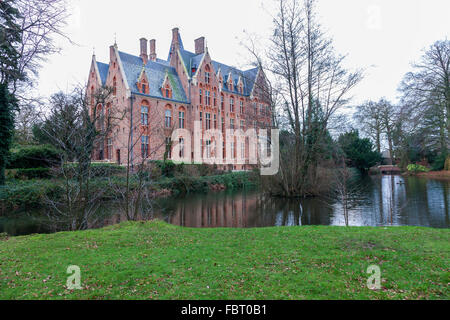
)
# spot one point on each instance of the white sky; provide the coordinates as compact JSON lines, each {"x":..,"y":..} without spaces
{"x":383,"y":36}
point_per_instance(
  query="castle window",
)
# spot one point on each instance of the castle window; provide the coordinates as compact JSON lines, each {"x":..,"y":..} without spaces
{"x":207,"y":77}
{"x":208,"y":121}
{"x":92,"y":96}
{"x":114,"y":86}
{"x":222,"y":102}
{"x":231,"y":104}
{"x":215,"y":121}
{"x":242,"y":106}
{"x":168,"y":119}
{"x":144,"y":147}
{"x":215,"y":99}
{"x":144,"y":116}
{"x":181,"y":119}
{"x":201,"y":119}
{"x":208,"y":98}
{"x":231,"y":123}
{"x":232,"y":150}
{"x":109,"y":148}
{"x":181,"y":142}
{"x":200,"y":95}
{"x":208,"y":149}
{"x":144,"y":88}
{"x":169,"y":147}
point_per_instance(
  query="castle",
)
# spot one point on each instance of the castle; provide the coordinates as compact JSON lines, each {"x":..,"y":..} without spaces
{"x":163,"y":95}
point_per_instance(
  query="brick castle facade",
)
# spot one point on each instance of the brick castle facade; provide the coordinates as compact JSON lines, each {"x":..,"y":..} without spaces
{"x":159,"y":96}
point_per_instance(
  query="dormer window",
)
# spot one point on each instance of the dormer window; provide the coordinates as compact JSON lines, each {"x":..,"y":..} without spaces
{"x":167,"y":91}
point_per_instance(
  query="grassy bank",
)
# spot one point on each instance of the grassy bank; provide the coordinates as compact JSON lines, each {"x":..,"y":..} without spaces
{"x":158,"y":261}
{"x":31,"y":194}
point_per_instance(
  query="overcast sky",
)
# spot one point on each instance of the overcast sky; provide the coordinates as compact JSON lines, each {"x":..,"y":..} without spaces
{"x":382,"y":36}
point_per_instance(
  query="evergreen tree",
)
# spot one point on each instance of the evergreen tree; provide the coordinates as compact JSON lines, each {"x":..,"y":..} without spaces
{"x":7,"y":105}
{"x":10,"y":36}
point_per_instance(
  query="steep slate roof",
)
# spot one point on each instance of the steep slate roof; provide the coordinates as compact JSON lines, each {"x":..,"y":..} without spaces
{"x":191,"y":60}
{"x":248,"y":77}
{"x":103,"y":69}
{"x":181,"y":46}
{"x":156,"y":73}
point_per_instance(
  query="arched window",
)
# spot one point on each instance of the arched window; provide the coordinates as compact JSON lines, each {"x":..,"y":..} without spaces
{"x":144,"y":113}
{"x":144,"y":147}
{"x":114,"y":86}
{"x":92,"y":96}
{"x":168,"y":118}
{"x":181,"y":115}
{"x":231,"y":104}
{"x":207,"y":74}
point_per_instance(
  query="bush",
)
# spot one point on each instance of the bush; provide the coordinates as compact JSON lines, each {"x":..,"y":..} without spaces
{"x":28,"y":157}
{"x":28,"y":194}
{"x":29,"y":174}
{"x":417,"y":168}
{"x":100,"y":169}
{"x":439,"y":163}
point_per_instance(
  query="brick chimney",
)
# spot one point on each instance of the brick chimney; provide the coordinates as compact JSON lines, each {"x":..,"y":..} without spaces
{"x":153,"y":50}
{"x":200,"y":45}
{"x":144,"y":55}
{"x":176,"y":37}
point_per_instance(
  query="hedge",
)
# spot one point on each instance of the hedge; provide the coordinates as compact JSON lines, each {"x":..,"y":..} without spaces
{"x":28,"y":174}
{"x":28,"y":157}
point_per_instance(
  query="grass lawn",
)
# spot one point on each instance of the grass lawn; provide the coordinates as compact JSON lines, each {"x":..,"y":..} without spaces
{"x":155,"y":260}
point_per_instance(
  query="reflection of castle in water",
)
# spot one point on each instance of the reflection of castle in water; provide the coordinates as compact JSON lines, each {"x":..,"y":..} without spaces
{"x":386,"y":201}
{"x":243,"y":210}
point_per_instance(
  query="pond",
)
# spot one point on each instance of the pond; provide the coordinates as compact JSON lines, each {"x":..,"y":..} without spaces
{"x":384,"y":201}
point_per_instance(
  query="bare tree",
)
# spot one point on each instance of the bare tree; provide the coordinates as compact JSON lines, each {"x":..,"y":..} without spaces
{"x":135,"y":196}
{"x":41,"y":22}
{"x":368,"y":120}
{"x":77,"y":124}
{"x":427,"y":89}
{"x":312,"y":86}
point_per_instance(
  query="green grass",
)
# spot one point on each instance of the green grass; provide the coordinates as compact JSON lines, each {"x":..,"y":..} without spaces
{"x":155,"y":260}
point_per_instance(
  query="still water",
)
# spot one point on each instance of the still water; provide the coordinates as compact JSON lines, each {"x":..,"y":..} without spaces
{"x":383,"y":201}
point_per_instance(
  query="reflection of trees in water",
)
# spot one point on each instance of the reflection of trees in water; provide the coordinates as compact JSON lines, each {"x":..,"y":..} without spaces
{"x":387,"y":200}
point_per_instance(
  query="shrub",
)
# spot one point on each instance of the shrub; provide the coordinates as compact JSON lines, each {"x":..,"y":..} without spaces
{"x":439,"y":163}
{"x":29,"y":174}
{"x":100,"y":169}
{"x":417,"y":168}
{"x":28,"y":157}
{"x":28,"y":194}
